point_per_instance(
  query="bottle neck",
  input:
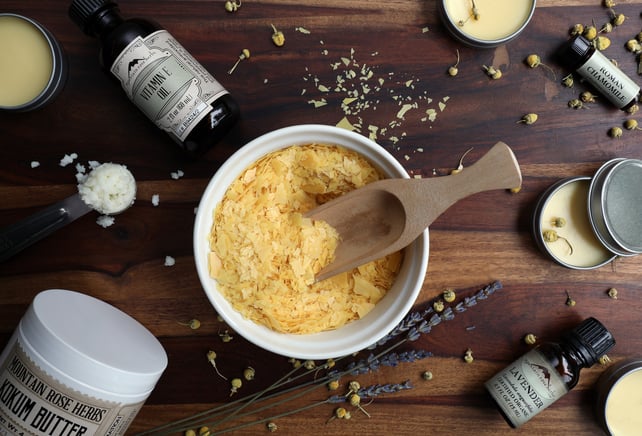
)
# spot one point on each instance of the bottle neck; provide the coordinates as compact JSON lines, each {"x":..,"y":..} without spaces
{"x":577,"y":353}
{"x":104,"y":22}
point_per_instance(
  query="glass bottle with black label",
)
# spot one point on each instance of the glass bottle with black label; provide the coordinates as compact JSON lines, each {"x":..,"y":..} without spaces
{"x":580,"y":55}
{"x":546,"y":373}
{"x":159,"y":76}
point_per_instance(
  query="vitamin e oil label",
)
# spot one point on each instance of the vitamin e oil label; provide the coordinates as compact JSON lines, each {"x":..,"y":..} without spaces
{"x":34,"y":403}
{"x":526,"y":387}
{"x":166,"y":83}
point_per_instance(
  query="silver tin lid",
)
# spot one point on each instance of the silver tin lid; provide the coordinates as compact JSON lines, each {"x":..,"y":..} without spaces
{"x":621,"y":201}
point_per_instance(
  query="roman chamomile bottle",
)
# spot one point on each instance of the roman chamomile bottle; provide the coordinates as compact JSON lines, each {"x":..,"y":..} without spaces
{"x":580,"y":55}
{"x":546,"y":373}
{"x":159,"y":76}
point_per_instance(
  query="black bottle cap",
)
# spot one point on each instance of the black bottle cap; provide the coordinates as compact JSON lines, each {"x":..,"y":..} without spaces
{"x":84,"y":12}
{"x":591,"y":339}
{"x":573,"y":53}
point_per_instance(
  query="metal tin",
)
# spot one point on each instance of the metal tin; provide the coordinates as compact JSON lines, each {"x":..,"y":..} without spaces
{"x":578,"y":218}
{"x":614,"y":387}
{"x":59,"y":70}
{"x":456,"y":31}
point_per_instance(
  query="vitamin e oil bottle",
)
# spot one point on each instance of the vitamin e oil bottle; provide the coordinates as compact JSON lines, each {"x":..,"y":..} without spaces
{"x":159,"y":76}
{"x":546,"y":373}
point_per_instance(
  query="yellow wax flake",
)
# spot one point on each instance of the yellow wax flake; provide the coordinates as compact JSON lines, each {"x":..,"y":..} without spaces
{"x":323,"y":88}
{"x":318,"y":103}
{"x":348,"y":100}
{"x":405,"y":108}
{"x":302,"y":30}
{"x":442,"y":106}
{"x":265,"y":253}
{"x":432,"y":114}
{"x":425,"y":29}
{"x":373,"y":132}
{"x":346,"y":61}
{"x":345,"y":124}
{"x":409,"y":83}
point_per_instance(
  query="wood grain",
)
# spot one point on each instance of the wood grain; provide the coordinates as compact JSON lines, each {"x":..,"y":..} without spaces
{"x":481,"y":239}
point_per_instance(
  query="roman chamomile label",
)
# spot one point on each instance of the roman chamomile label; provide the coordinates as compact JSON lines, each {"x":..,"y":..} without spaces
{"x":526,"y":387}
{"x":166,"y":83}
{"x":34,"y":403}
{"x":605,"y":77}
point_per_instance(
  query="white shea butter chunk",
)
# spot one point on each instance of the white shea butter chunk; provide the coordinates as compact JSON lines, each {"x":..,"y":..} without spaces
{"x":109,"y":188}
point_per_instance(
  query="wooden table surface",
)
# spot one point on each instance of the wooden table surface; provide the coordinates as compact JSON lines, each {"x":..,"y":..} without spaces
{"x":482,"y":239}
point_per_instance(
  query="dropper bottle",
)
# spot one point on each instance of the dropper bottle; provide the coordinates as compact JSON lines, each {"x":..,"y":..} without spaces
{"x":159,"y":75}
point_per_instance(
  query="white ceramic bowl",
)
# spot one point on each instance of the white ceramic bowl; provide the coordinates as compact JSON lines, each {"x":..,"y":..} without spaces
{"x":345,"y":340}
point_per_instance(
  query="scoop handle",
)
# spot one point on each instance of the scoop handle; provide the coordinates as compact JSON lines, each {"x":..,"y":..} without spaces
{"x":18,"y":236}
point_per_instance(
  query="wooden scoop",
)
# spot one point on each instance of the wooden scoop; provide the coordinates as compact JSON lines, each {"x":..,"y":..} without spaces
{"x":386,"y":216}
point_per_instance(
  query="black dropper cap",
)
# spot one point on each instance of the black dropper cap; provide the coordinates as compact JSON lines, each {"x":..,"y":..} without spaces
{"x":591,"y":340}
{"x":573,"y":52}
{"x":85,"y":12}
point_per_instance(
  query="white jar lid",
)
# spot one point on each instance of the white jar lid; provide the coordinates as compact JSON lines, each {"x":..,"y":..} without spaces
{"x":93,"y":343}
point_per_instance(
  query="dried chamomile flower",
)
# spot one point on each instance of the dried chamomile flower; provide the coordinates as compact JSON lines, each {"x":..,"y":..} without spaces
{"x":204,"y":431}
{"x":245,"y":54}
{"x":568,"y":81}
{"x":534,"y":61}
{"x":633,"y":109}
{"x":340,"y":413}
{"x":631,"y":124}
{"x":634,"y":46}
{"x":528,"y":119}
{"x":460,"y":167}
{"x":271,"y":427}
{"x":601,"y":43}
{"x":295,"y":362}
{"x":453,"y":70}
{"x":612,"y":293}
{"x":492,"y":72}
{"x":617,"y":19}
{"x":194,"y":324}
{"x":576,"y":103}
{"x":211,"y":358}
{"x":353,"y":387}
{"x":606,"y":28}
{"x":590,"y":33}
{"x":468,"y":356}
{"x":530,"y":339}
{"x":604,"y":360}
{"x":309,"y":364}
{"x":333,"y":385}
{"x":553,"y":236}
{"x":427,"y":375}
{"x":232,"y":5}
{"x":569,"y":300}
{"x":577,"y":29}
{"x":516,"y":189}
{"x":249,"y":373}
{"x":615,"y":132}
{"x":588,"y":97}
{"x":449,"y":295}
{"x":235,"y":385}
{"x":278,"y":38}
{"x":355,"y":401}
{"x":225,"y":336}
{"x":608,"y":3}
{"x":438,"y":306}
{"x":189,"y":432}
{"x":558,"y":221}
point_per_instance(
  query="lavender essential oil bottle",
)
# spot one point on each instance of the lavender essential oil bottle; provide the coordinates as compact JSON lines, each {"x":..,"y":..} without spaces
{"x":159,"y":76}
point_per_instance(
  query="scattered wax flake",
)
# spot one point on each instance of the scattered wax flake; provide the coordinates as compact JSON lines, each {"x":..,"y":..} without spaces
{"x":432,"y":114}
{"x":394,"y":139}
{"x":68,"y":159}
{"x":406,"y":157}
{"x":405,"y":108}
{"x":442,"y":106}
{"x":417,"y":176}
{"x":349,"y":100}
{"x":346,"y":61}
{"x":323,"y":88}
{"x":318,"y":103}
{"x":177,"y":174}
{"x":373,"y":132}
{"x":170,"y":261}
{"x":155,"y":199}
{"x":420,"y":150}
{"x":302,"y":30}
{"x":445,"y":99}
{"x":321,"y":42}
{"x":35,"y":164}
{"x":345,"y":124}
{"x":425,"y":29}
{"x":105,"y":221}
{"x":409,"y":83}
{"x":265,"y":81}
{"x":324,"y":52}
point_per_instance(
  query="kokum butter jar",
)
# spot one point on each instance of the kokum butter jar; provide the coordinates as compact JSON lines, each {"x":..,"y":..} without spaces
{"x":485,"y":23}
{"x":76,"y":366}
{"x":619,"y":398}
{"x":33,"y":67}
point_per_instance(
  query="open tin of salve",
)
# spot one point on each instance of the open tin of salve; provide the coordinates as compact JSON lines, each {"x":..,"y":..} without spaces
{"x":619,"y":398}
{"x":33,"y":68}
{"x":586,"y":222}
{"x":486,"y":23}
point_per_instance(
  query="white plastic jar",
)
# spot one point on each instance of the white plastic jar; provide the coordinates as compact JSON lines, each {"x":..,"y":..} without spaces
{"x":76,"y":366}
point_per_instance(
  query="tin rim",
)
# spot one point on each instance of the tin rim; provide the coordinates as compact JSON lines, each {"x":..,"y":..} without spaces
{"x":59,"y":70}
{"x":621,"y":203}
{"x":481,"y":43}
{"x":543,"y":201}
{"x":608,"y":380}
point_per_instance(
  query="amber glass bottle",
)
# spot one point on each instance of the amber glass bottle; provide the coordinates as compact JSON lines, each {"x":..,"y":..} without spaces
{"x":546,"y":373}
{"x":159,"y":76}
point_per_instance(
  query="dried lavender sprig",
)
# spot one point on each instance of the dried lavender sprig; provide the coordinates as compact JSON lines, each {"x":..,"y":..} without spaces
{"x":372,"y":391}
{"x":415,"y":323}
{"x":372,"y":362}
